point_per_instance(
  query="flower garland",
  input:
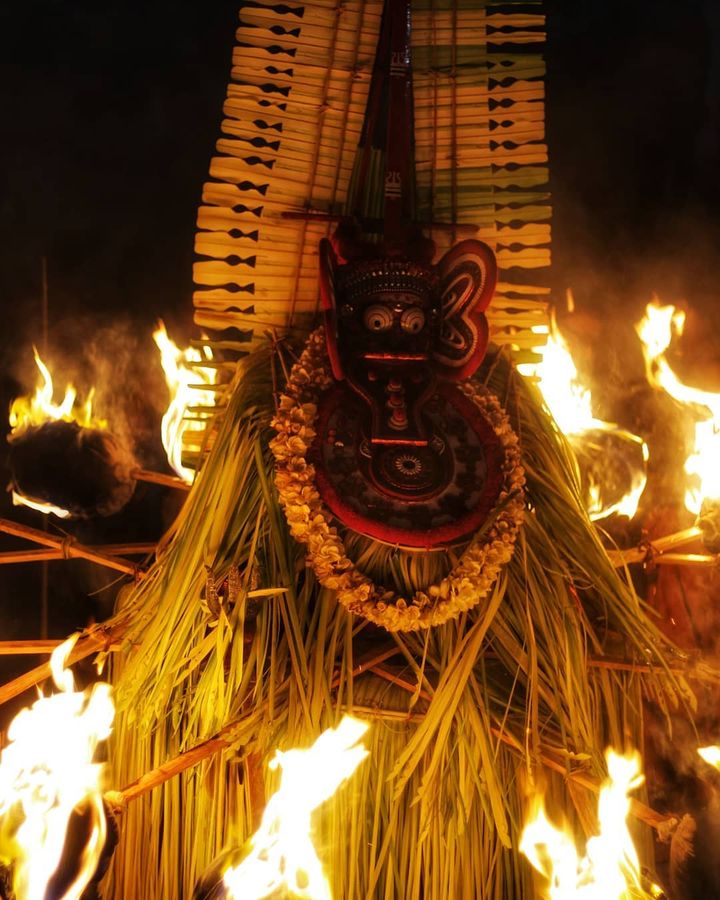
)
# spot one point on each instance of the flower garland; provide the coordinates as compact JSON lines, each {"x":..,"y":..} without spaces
{"x":469,"y":581}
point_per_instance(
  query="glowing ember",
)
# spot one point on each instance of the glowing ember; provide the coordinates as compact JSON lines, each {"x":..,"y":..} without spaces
{"x":282,"y":854}
{"x":656,"y":331}
{"x":46,"y":771}
{"x":610,"y":869}
{"x":594,"y":441}
{"x":711,"y":755}
{"x":28,"y":411}
{"x":185,"y":380}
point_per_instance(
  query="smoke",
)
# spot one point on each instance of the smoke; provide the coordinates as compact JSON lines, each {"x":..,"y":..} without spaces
{"x":131,"y":391}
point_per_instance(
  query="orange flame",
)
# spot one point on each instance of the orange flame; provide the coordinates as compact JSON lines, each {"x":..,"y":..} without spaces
{"x":658,"y":328}
{"x":185,"y":380}
{"x":282,"y":854}
{"x":46,"y":770}
{"x":711,"y":755}
{"x":28,"y":411}
{"x":570,"y":404}
{"x":610,"y":869}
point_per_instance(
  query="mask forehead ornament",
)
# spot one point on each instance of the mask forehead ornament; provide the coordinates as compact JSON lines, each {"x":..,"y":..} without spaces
{"x":382,"y":429}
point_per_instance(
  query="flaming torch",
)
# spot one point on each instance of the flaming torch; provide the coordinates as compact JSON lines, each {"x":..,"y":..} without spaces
{"x":191,"y":379}
{"x":612,"y":461}
{"x":62,"y":458}
{"x":47,"y":774}
{"x":280,"y":856}
{"x":610,"y":869}
{"x":658,"y":328}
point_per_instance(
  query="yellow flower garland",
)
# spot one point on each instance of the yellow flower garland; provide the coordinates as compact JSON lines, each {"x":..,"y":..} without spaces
{"x":475,"y":572}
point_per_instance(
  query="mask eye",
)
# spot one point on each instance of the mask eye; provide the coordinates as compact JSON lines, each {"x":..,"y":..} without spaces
{"x":378,"y":318}
{"x":412,"y":320}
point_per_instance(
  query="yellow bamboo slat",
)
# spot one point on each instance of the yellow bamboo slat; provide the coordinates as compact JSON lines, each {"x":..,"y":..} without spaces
{"x":523,"y":339}
{"x":292,"y":14}
{"x":295,"y":159}
{"x":526,"y":154}
{"x":308,"y":47}
{"x":297,"y":141}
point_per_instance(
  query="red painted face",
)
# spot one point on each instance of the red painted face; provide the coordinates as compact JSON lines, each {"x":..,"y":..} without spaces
{"x":385,"y":340}
{"x":399,"y":334}
{"x":393,"y":310}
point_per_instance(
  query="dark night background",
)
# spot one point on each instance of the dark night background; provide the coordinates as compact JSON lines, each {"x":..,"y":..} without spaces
{"x":109,"y":115}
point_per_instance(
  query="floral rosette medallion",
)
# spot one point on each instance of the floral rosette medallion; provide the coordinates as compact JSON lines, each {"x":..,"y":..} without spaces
{"x":382,"y":430}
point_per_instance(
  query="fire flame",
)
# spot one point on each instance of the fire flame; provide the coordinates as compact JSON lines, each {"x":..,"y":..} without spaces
{"x":46,"y":771}
{"x":567,"y":399}
{"x":26,"y":412}
{"x":33,"y":411}
{"x":711,"y":755}
{"x":610,"y":869}
{"x":656,"y":331}
{"x":19,"y":500}
{"x":282,"y":854}
{"x":185,"y":380}
{"x":570,"y":403}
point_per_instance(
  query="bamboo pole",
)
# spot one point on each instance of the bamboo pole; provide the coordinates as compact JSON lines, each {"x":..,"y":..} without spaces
{"x":171,"y":481}
{"x":186,"y":760}
{"x":655,"y":548}
{"x":41,"y":647}
{"x":695,"y":560}
{"x":29,"y":556}
{"x":694,"y":669}
{"x":660,"y":822}
{"x":94,"y":640}
{"x":69,"y":547}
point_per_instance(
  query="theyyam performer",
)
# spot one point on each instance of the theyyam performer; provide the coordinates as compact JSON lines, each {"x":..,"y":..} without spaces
{"x":386,"y":520}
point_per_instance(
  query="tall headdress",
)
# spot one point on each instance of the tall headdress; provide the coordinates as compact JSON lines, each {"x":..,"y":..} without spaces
{"x":405,"y":450}
{"x":288,"y":165}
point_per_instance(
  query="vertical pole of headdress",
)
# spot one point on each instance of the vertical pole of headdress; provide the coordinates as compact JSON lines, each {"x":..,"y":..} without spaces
{"x":399,"y":188}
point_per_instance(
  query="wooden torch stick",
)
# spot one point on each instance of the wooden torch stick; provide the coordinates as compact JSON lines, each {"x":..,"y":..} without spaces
{"x":186,"y":760}
{"x":69,"y":547}
{"x":95,"y":639}
{"x":171,"y":481}
{"x":659,"y":546}
{"x":695,"y":560}
{"x":29,"y":556}
{"x":659,"y":821}
{"x":37,"y":648}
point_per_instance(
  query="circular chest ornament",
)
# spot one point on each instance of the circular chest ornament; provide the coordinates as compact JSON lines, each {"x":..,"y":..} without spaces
{"x":415,"y":496}
{"x":464,"y":484}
